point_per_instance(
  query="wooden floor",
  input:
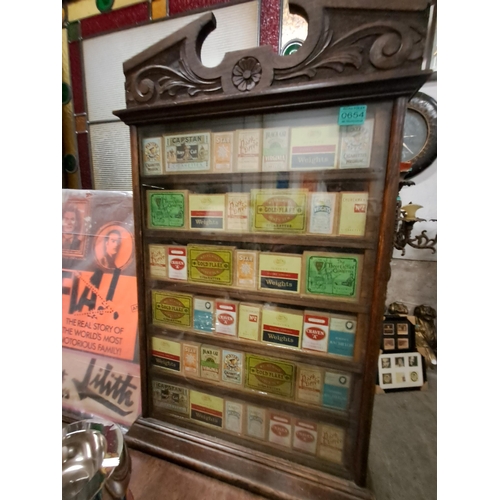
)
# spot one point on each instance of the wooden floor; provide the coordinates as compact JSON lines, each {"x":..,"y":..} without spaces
{"x":402,"y":459}
{"x":155,"y":479}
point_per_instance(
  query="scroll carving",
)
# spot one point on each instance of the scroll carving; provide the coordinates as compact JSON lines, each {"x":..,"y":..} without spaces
{"x":388,"y":45}
{"x":155,"y":80}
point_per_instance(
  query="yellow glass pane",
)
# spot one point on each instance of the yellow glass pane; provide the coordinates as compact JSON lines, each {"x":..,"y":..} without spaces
{"x":65,"y":57}
{"x":81,"y":9}
{"x":158,"y":9}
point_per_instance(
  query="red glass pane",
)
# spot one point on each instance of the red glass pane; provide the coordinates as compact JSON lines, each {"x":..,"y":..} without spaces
{"x":84,"y":160}
{"x":270,"y":18}
{"x":116,"y":19}
{"x":75,"y":62}
{"x":180,"y":6}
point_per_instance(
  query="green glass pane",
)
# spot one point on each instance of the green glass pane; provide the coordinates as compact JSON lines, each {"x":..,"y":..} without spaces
{"x":104,"y":5}
{"x":66,"y":93}
{"x":73,"y":31}
{"x":291,"y":48}
{"x":70,"y":164}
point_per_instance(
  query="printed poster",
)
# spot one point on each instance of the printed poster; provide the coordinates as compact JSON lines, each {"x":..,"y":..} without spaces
{"x":99,"y":289}
{"x":94,"y":385}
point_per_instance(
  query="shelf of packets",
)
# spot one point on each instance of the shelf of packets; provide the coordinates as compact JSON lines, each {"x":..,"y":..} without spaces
{"x":248,"y":372}
{"x":275,"y":149}
{"x":329,"y":275}
{"x":251,"y":422}
{"x":275,"y":211}
{"x":330,"y":335}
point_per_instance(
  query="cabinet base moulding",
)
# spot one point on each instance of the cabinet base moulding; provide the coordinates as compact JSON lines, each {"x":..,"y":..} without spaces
{"x":241,"y":467}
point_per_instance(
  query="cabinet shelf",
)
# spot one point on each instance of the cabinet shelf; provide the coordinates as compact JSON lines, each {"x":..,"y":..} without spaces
{"x":305,"y":240}
{"x":318,"y":359}
{"x":262,"y":399}
{"x":245,"y":295}
{"x":262,"y":448}
{"x":173,"y":181}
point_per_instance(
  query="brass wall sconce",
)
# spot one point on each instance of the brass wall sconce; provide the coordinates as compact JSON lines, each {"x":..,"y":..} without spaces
{"x":406,"y":218}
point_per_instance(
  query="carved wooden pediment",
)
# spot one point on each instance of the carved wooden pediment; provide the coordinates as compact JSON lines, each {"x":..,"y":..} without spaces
{"x":348,"y":41}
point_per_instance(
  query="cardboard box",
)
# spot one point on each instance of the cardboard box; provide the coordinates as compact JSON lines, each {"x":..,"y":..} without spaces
{"x":334,"y":275}
{"x":207,"y":212}
{"x":206,"y":409}
{"x":172,"y":309}
{"x":233,"y":416}
{"x":191,"y":359}
{"x":166,"y":353}
{"x":248,"y":150}
{"x":353,"y":208}
{"x":336,"y":390}
{"x":204,"y":314}
{"x":211,"y":264}
{"x":322,"y":213}
{"x":342,"y":334}
{"x":269,"y":375}
{"x":167,"y":209}
{"x":309,"y":384}
{"x":238,"y":212}
{"x":249,"y":321}
{"x":177,"y":263}
{"x":280,"y":429}
{"x":222,"y":152}
{"x":256,"y":422}
{"x":279,"y":210}
{"x":331,"y":443}
{"x":226,"y":317}
{"x":232,"y":367}
{"x":246,"y":265}
{"x":275,"y":149}
{"x":356,"y":145}
{"x":305,"y":436}
{"x":210,"y":362}
{"x":187,"y":152}
{"x":170,"y":397}
{"x":282,"y":326}
{"x":158,"y":261}
{"x":314,"y":148}
{"x":316,"y":329}
{"x":152,"y":156}
{"x":280,"y":272}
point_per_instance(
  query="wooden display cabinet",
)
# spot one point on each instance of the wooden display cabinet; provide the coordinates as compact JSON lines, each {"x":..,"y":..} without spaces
{"x":264,"y":196}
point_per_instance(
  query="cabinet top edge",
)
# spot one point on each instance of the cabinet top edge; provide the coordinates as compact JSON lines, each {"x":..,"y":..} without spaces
{"x":291,"y":98}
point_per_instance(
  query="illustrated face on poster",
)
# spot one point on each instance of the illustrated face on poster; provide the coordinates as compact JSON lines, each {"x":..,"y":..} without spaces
{"x":74,"y":213}
{"x":113,"y":246}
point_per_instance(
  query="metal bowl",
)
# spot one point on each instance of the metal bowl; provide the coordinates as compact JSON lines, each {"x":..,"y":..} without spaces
{"x":91,"y":450}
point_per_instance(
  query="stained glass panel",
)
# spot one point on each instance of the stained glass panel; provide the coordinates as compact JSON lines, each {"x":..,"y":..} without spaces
{"x":158,"y":9}
{"x":82,"y":9}
{"x":110,"y":21}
